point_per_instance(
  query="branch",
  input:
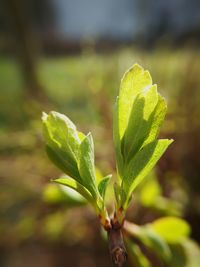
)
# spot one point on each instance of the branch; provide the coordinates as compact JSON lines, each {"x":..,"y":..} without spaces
{"x":116,"y":244}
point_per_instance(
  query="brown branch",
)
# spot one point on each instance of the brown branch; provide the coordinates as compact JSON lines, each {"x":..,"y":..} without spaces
{"x":116,"y":244}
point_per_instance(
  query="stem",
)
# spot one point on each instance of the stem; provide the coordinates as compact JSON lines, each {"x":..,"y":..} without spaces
{"x":116,"y":244}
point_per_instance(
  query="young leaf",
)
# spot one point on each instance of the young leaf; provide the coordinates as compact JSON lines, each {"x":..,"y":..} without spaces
{"x":141,"y":165}
{"x":172,"y":229}
{"x":150,"y":192}
{"x":86,"y":164}
{"x":116,"y":138}
{"x":132,"y":83}
{"x":71,"y":183}
{"x":59,"y":128}
{"x":103,"y":185}
{"x":117,"y":191}
{"x":55,"y":194}
{"x":70,"y":150}
{"x":156,"y":119}
{"x":140,"y":121}
{"x":61,"y":160}
{"x":138,"y":115}
{"x":62,"y":142}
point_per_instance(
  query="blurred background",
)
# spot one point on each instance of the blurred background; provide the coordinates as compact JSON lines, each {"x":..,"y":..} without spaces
{"x":69,"y":56}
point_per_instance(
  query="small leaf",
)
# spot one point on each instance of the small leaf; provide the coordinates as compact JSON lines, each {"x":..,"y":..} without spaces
{"x":71,"y":183}
{"x":55,"y":194}
{"x":60,"y":159}
{"x":140,"y":121}
{"x":86,"y":164}
{"x":142,"y":164}
{"x":138,"y":115}
{"x":116,"y":138}
{"x":156,"y":119}
{"x":172,"y":229}
{"x":150,"y":191}
{"x":117,"y":191}
{"x":132,"y":83}
{"x":60,"y":129}
{"x":103,"y":185}
{"x":62,"y":142}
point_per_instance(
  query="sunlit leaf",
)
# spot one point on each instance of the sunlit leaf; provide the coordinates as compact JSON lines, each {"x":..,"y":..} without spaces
{"x":149,"y":192}
{"x":61,"y":194}
{"x":103,"y":185}
{"x":140,"y":121}
{"x":172,"y":229}
{"x":142,"y":164}
{"x":132,"y":83}
{"x":62,"y":142}
{"x":156,"y":119}
{"x":60,"y":129}
{"x":60,"y":159}
{"x":138,"y":115}
{"x":116,"y":138}
{"x":86,"y":164}
{"x":71,"y":183}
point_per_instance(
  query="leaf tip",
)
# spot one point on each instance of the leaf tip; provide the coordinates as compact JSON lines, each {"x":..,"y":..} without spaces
{"x":171,"y":140}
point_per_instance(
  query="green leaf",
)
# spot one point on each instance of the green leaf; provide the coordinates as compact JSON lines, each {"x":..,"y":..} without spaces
{"x":150,"y":192}
{"x":140,"y":121}
{"x":172,"y":229}
{"x":136,"y":256}
{"x":116,"y":138}
{"x":138,"y":115}
{"x":141,"y":165}
{"x":61,"y":160}
{"x":60,"y":129}
{"x":147,"y":115}
{"x":133,"y":82}
{"x":55,"y":194}
{"x":150,"y":239}
{"x":86,"y":165}
{"x":156,"y":119}
{"x":117,"y":191}
{"x":71,"y":183}
{"x":103,"y":185}
{"x":62,"y":142}
{"x":156,"y":243}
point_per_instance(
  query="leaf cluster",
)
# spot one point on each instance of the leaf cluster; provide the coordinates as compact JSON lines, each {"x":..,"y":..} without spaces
{"x":138,"y":114}
{"x":73,"y":153}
